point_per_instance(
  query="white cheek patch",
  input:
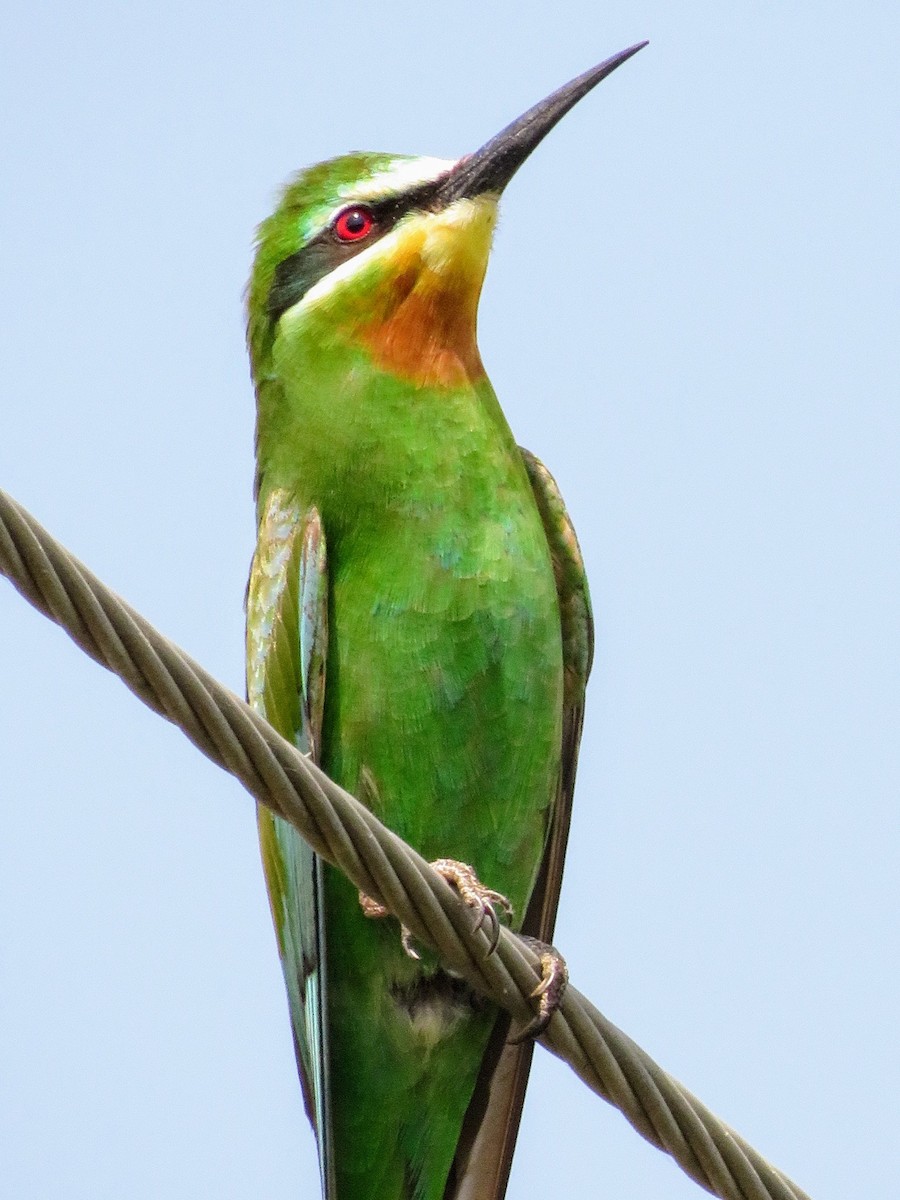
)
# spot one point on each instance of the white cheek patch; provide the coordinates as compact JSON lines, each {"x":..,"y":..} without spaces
{"x":319,"y":293}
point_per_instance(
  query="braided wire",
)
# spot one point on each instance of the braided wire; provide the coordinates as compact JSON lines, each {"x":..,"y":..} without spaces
{"x":344,"y":832}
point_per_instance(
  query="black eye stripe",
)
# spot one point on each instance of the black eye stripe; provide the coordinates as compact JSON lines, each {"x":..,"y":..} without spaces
{"x":295,"y":275}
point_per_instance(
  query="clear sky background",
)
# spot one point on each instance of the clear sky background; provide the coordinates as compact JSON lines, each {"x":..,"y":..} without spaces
{"x":691,"y":315}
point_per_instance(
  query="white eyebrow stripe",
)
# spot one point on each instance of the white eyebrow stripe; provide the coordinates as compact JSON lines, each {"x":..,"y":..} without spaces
{"x":402,"y":175}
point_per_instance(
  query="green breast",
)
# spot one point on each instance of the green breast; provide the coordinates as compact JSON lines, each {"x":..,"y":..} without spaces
{"x":444,"y":675}
{"x":446,"y":647}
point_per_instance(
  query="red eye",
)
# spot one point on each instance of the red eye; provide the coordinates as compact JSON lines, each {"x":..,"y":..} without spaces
{"x":353,"y":224}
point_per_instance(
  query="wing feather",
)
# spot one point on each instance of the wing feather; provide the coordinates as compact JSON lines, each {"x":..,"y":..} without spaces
{"x":484,"y":1157}
{"x":287,"y":637}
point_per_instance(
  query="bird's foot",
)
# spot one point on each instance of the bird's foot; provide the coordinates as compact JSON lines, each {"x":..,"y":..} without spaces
{"x":554,"y":978}
{"x":377,"y":912}
{"x":371,"y":908}
{"x":461,"y":876}
{"x":478,"y":897}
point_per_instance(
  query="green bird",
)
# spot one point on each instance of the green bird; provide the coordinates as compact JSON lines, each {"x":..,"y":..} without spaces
{"x":418,"y":622}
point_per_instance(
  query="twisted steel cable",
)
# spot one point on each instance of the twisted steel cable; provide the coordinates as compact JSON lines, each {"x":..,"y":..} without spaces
{"x":343,"y":831}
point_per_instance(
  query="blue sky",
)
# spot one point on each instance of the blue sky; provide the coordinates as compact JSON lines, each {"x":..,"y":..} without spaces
{"x":690,"y":315}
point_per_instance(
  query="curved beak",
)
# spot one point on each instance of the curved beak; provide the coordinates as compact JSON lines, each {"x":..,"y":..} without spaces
{"x":491,"y":168}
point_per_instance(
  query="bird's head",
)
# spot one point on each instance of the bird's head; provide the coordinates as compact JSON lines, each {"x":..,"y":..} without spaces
{"x":387,"y":253}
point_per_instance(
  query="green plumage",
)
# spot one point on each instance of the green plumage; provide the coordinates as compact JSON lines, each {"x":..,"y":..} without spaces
{"x":418,"y":621}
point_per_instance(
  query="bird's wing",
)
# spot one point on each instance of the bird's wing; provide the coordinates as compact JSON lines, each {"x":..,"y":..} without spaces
{"x":577,"y":625}
{"x":484,"y":1156}
{"x":287,"y":638}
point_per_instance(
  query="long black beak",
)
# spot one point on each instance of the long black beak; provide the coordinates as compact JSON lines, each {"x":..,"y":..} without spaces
{"x":491,"y":168}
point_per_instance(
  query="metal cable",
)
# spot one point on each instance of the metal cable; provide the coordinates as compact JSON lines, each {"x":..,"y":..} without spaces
{"x":343,"y":831}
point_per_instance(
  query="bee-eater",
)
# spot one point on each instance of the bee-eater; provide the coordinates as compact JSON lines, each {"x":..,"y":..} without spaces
{"x":418,"y":622}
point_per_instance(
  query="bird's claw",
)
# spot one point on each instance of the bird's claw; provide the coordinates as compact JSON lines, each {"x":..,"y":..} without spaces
{"x":372,"y":909}
{"x":376,"y":911}
{"x":552,"y":986}
{"x":482,"y":899}
{"x":406,"y":941}
{"x":471,"y":890}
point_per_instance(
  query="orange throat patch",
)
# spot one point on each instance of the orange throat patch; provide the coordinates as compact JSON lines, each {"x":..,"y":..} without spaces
{"x":426,"y":331}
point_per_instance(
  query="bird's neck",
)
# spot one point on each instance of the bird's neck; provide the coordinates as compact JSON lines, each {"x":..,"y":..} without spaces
{"x":364,"y":443}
